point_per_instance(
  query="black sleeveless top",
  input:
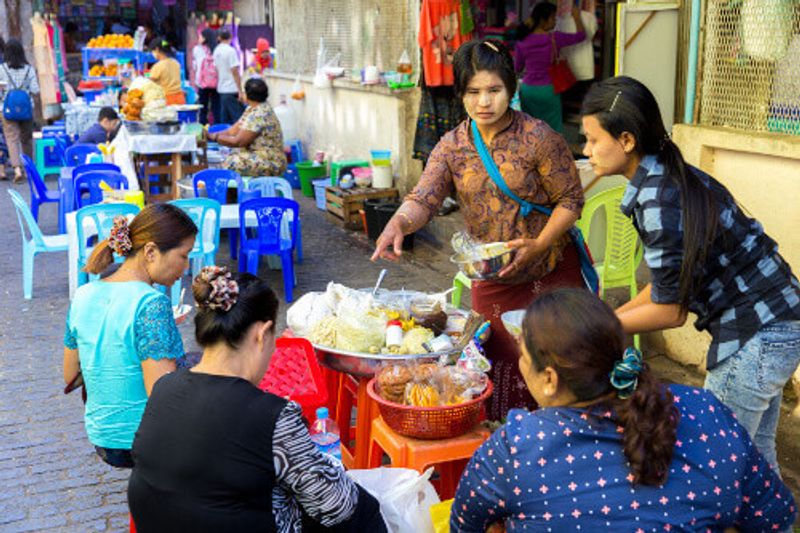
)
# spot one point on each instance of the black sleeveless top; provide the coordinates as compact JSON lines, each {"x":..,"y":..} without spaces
{"x":203,"y":456}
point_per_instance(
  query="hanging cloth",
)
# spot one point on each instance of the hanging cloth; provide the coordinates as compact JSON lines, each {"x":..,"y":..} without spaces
{"x":439,"y":38}
{"x":44,"y":62}
{"x":439,"y":112}
{"x":467,"y":24}
{"x":579,"y":56}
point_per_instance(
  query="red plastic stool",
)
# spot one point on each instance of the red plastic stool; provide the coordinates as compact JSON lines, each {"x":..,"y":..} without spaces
{"x":294,"y":373}
{"x":133,"y":526}
{"x":448,"y":456}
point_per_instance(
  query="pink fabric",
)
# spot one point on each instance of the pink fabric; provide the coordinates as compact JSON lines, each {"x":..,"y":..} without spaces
{"x":534,"y":54}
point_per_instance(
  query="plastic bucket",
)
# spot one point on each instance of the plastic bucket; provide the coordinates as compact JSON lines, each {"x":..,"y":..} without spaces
{"x":381,"y":158}
{"x":309,"y":172}
{"x":371,"y":218}
{"x":382,"y":177}
{"x":291,"y":176}
{"x":319,"y":192}
{"x":384,"y":213}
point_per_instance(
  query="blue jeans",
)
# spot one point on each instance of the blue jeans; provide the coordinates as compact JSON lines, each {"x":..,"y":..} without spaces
{"x":751,"y":382}
{"x":230,"y":109}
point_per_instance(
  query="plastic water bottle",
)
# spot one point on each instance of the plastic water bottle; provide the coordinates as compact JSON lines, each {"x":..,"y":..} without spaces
{"x":325,"y":434}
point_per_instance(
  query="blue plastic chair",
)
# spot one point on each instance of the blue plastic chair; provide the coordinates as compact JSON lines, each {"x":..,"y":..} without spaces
{"x":76,"y":154}
{"x":36,"y":243}
{"x":62,"y":143}
{"x":102,"y":216}
{"x":205,"y":213}
{"x":93,"y":167}
{"x":90,"y":183}
{"x":268,"y":238}
{"x":216,"y":181}
{"x":40,"y":194}
{"x":275,"y":187}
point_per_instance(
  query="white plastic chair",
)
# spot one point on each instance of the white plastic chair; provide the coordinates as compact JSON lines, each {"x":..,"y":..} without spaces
{"x":37,"y":243}
{"x":277,"y":187}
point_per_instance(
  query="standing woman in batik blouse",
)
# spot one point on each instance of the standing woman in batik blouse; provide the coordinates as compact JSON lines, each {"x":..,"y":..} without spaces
{"x":537,"y":166}
{"x":705,"y":256}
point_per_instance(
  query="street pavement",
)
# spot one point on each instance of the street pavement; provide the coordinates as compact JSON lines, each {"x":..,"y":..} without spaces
{"x":50,"y":477}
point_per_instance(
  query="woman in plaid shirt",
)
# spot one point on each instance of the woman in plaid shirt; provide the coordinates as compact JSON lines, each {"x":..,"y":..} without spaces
{"x":705,"y":255}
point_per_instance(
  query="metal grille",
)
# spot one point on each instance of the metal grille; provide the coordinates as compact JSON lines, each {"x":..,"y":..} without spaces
{"x":751,"y":65}
{"x":364,"y":32}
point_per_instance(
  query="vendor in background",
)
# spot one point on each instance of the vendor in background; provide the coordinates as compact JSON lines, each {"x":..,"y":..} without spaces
{"x":257,"y":135}
{"x":120,"y":333}
{"x":167,"y":71}
{"x":262,"y":59}
{"x":104,"y":130}
{"x":610,"y":446}
{"x":537,"y":166}
{"x":215,"y":453}
{"x":534,"y":55}
{"x":706,"y":256}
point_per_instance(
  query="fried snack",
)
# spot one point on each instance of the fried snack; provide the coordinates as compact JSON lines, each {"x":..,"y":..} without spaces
{"x":420,"y":395}
{"x":425,"y":372}
{"x":135,"y":93}
{"x":392,"y":381}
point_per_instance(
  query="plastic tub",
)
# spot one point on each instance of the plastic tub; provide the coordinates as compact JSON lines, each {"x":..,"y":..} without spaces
{"x":291,"y":176}
{"x":319,"y":192}
{"x":382,"y":177}
{"x":383,"y":213}
{"x":308,"y":172}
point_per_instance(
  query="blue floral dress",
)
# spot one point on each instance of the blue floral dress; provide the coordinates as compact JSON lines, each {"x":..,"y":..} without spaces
{"x":562,"y":469}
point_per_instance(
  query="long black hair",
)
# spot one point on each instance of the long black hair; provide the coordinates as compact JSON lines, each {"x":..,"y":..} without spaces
{"x":541,"y":12}
{"x":15,"y":54}
{"x":162,"y":44}
{"x":623,"y":104}
{"x":210,"y":36}
{"x":483,"y":54}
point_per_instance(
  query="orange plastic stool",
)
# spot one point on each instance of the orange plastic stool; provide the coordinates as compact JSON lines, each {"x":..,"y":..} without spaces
{"x":449,"y":456}
{"x":133,"y":526}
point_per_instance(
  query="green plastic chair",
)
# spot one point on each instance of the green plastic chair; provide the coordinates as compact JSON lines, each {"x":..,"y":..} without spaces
{"x":33,"y":242}
{"x":623,"y":251}
{"x":459,"y":282}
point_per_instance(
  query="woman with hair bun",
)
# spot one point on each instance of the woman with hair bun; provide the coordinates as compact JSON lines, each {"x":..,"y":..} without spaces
{"x":215,"y":453}
{"x":610,"y":447}
{"x":120,"y":334}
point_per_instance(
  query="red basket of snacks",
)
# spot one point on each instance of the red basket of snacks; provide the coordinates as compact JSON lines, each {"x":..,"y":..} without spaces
{"x":432,"y":423}
{"x":294,"y":373}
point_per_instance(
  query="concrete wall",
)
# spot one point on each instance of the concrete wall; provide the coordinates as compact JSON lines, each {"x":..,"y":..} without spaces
{"x":762,"y":171}
{"x":348,"y":120}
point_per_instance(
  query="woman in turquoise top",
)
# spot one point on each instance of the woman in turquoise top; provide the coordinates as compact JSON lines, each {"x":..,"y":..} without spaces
{"x":120,"y":333}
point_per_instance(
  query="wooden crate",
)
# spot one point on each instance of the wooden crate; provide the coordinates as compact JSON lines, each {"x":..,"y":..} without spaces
{"x":345,"y":203}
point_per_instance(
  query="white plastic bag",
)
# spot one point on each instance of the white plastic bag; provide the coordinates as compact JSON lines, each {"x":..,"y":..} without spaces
{"x":405,"y":497}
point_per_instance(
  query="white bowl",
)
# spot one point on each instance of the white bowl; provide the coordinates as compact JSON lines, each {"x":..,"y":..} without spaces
{"x":512,"y":320}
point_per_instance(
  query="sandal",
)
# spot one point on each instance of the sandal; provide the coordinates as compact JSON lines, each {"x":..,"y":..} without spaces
{"x":18,"y":175}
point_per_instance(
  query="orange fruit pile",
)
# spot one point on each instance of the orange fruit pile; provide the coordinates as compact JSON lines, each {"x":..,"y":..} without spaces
{"x":114,"y":40}
{"x":100,"y":70}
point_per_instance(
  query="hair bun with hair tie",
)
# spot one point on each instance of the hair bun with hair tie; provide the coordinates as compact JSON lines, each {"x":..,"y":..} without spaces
{"x":119,"y":240}
{"x":625,"y":375}
{"x":224,"y":290}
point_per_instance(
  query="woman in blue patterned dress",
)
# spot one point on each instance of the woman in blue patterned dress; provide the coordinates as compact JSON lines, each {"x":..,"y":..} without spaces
{"x":120,"y":335}
{"x":610,"y":448}
{"x":215,"y":453}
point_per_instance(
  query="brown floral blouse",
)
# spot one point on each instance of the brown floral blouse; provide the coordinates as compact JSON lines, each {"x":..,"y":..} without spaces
{"x":535,"y":163}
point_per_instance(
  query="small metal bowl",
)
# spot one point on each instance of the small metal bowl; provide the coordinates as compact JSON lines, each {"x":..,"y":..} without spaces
{"x":497,"y":257}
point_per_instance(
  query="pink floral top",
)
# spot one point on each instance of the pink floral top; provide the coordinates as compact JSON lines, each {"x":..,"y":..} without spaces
{"x":535,"y":163}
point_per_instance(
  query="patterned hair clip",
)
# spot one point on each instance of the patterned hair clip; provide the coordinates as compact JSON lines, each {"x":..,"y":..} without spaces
{"x":614,"y":103}
{"x":491,"y":45}
{"x":120,"y":238}
{"x":625,"y":375}
{"x":224,"y":290}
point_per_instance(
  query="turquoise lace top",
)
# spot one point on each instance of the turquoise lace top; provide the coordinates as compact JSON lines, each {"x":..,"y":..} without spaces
{"x":115,"y":326}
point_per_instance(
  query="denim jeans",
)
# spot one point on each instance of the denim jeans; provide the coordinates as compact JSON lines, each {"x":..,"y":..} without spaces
{"x":230,"y":109}
{"x":751,"y":382}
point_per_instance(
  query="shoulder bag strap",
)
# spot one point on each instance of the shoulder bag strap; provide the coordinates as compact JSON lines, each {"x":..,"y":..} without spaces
{"x":494,"y":173}
{"x":10,"y":78}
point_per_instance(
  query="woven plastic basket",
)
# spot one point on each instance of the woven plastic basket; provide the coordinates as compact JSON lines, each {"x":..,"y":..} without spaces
{"x":432,"y":423}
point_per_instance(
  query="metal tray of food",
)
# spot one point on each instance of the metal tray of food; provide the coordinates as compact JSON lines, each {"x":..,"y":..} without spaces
{"x":141,"y":127}
{"x":364,"y":364}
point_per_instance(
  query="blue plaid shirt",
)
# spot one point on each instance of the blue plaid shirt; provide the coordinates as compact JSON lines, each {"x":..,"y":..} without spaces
{"x":745,"y":283}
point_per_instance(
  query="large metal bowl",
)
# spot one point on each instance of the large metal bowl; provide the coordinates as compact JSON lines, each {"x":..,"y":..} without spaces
{"x":494,"y":257}
{"x":366,"y":365}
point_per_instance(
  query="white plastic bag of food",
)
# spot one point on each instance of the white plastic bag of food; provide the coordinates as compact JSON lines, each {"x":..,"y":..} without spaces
{"x":306,"y":312}
{"x":405,"y":496}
